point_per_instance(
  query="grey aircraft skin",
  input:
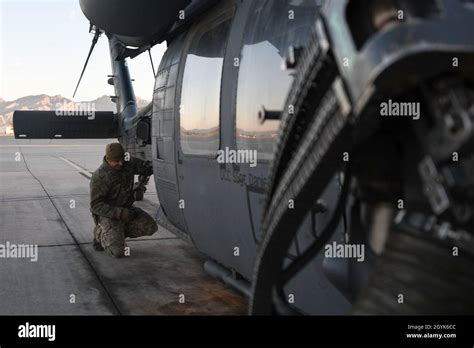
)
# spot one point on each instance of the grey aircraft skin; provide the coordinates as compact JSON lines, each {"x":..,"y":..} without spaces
{"x":220,"y":86}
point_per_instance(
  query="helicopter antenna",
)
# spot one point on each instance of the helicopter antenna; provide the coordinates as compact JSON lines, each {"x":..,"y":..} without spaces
{"x":151,"y":60}
{"x":94,"y":41}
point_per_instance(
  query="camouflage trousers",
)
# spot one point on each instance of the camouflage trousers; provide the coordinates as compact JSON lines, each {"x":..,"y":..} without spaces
{"x":111,"y":233}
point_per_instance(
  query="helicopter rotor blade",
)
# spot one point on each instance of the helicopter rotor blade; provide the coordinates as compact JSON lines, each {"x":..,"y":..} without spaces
{"x":94,"y":41}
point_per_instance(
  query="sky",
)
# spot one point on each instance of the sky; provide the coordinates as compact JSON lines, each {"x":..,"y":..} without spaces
{"x":43,"y":47}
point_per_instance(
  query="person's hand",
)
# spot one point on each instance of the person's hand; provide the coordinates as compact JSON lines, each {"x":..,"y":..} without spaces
{"x":148,"y":168}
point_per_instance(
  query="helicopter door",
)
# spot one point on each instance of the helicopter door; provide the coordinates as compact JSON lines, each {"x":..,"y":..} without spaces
{"x":215,"y":202}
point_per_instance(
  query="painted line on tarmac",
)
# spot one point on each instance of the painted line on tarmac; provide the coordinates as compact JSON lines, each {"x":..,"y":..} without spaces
{"x":81,"y":170}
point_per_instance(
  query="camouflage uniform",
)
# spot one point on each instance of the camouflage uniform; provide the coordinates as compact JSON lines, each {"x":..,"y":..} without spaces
{"x":111,"y":206}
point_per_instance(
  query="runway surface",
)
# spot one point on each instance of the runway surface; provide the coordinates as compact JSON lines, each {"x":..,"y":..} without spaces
{"x":44,"y":194}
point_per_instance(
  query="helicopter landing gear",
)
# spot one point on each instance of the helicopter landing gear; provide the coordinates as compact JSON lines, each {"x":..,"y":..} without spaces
{"x":418,"y":260}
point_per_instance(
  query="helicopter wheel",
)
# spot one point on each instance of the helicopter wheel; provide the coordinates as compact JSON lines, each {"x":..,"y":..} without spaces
{"x":309,"y":152}
{"x":427,"y":264}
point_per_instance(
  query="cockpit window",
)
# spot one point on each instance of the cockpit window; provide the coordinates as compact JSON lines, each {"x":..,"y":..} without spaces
{"x":271,"y":28}
{"x":200,"y":96}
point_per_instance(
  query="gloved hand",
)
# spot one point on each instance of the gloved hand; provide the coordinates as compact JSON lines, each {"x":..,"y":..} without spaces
{"x":148,"y":168}
{"x":129,"y":214}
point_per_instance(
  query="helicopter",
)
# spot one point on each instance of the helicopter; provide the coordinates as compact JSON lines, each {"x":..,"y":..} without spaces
{"x":273,"y":157}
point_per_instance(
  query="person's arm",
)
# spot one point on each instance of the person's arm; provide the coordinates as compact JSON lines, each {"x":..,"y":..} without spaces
{"x":98,"y":197}
{"x":142,"y":167}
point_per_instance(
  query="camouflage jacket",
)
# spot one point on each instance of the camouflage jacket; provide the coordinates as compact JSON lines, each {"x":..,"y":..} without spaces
{"x":111,"y":191}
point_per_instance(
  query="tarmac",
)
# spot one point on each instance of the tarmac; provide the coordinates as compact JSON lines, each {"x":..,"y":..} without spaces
{"x":44,"y":194}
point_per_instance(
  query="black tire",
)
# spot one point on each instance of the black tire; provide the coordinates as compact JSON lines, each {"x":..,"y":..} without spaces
{"x":319,"y":130}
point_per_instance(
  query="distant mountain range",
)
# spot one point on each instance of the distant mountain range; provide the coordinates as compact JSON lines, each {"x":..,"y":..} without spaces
{"x":46,"y":102}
